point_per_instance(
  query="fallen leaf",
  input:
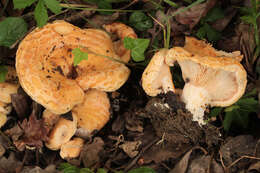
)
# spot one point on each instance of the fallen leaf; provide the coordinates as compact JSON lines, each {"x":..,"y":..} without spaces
{"x":202,"y":163}
{"x":131,"y":148}
{"x":221,"y":24}
{"x":193,"y":15}
{"x":91,"y":152}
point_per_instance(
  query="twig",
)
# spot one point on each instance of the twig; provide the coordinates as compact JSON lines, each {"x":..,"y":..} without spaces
{"x":242,"y":157}
{"x":221,"y":160}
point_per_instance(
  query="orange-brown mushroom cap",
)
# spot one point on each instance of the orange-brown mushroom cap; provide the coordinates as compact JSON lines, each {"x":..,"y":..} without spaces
{"x":61,"y":133}
{"x":93,"y":113}
{"x":72,"y":148}
{"x":157,"y":77}
{"x":44,"y":63}
{"x":216,"y":79}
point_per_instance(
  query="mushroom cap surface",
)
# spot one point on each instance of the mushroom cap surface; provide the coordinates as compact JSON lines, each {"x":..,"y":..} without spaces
{"x":49,"y":118}
{"x":44,"y":64}
{"x":72,"y":148}
{"x":61,"y":133}
{"x":3,"y":119}
{"x":93,"y":113}
{"x":157,"y":77}
{"x":5,"y":108}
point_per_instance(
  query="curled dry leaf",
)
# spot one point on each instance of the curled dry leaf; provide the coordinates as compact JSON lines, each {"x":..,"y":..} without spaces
{"x":131,"y":147}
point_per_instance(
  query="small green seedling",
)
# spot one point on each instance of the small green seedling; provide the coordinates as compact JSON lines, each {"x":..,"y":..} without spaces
{"x":40,"y":11}
{"x":137,"y":47}
{"x":79,"y":56}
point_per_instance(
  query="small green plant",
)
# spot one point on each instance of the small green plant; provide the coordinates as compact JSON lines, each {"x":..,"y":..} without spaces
{"x":238,"y":113}
{"x":40,"y":11}
{"x":251,"y":15}
{"x":79,"y":56}
{"x":206,"y":31}
{"x":68,"y":168}
{"x":140,"y":21}
{"x":12,"y":29}
{"x":137,"y":47}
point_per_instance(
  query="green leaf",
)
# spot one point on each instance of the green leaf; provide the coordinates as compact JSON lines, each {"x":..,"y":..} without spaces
{"x":137,"y":47}
{"x":201,"y":33}
{"x":140,"y":21}
{"x":214,"y":14}
{"x":3,"y":72}
{"x":103,"y":4}
{"x":79,"y":56}
{"x":12,"y":29}
{"x":215,"y":111}
{"x":85,"y":170}
{"x":248,"y":19}
{"x":231,"y":108}
{"x":18,"y":4}
{"x":53,"y":5}
{"x":212,"y":34}
{"x":228,"y":119}
{"x":40,"y":14}
{"x":142,"y":170}
{"x":101,"y":170}
{"x":72,"y":169}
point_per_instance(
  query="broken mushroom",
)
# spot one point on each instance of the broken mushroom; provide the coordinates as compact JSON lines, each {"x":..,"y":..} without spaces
{"x":61,"y":133}
{"x":93,"y":113}
{"x":212,"y":78}
{"x":72,"y":148}
{"x":157,"y":77}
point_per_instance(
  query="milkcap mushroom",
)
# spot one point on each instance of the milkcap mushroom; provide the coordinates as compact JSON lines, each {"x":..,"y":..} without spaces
{"x":61,"y":133}
{"x":212,"y":77}
{"x":44,"y":63}
{"x":72,"y":148}
{"x":93,"y":113}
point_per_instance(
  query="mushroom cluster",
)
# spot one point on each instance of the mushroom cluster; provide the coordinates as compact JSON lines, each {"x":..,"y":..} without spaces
{"x":44,"y":64}
{"x":10,"y":86}
{"x":212,"y":77}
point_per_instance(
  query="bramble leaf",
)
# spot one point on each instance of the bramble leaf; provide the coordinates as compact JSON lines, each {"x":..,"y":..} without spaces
{"x":11,"y":29}
{"x":53,"y":5}
{"x":137,"y":47}
{"x":40,"y":14}
{"x":19,"y":4}
{"x":79,"y":56}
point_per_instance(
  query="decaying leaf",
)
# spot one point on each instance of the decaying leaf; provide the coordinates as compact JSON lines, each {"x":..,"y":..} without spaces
{"x":131,"y":148}
{"x":193,"y":15}
{"x":30,"y":133}
{"x":9,"y":164}
{"x":183,"y":164}
{"x":91,"y":152}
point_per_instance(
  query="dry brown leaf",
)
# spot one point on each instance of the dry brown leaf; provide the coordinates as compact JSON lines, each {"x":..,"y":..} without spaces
{"x":131,"y":148}
{"x":193,"y":15}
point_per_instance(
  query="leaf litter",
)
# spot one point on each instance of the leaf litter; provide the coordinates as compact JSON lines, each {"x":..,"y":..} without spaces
{"x":156,"y":132}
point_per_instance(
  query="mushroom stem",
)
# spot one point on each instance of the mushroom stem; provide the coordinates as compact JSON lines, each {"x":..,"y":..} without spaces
{"x":196,"y":99}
